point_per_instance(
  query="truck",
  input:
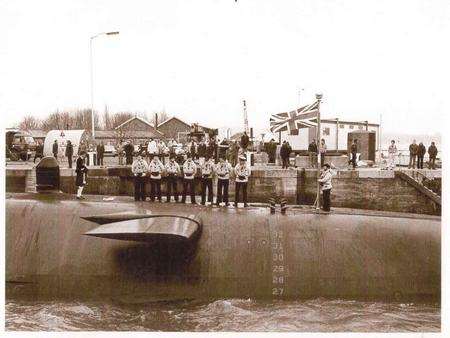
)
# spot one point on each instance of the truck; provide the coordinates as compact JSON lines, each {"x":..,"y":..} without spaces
{"x":19,"y":145}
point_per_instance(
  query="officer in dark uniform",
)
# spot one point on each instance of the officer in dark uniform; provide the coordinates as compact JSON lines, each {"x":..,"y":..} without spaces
{"x":69,"y":153}
{"x":353,"y":151}
{"x":55,"y":149}
{"x":81,"y":171}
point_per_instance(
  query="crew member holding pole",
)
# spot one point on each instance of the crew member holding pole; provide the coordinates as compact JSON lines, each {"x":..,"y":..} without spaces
{"x":242,"y":174}
{"x":223,"y":170}
{"x":207,"y":170}
{"x":156,"y":168}
{"x":189,"y":170}
{"x":325,"y":183}
{"x":173,"y":171}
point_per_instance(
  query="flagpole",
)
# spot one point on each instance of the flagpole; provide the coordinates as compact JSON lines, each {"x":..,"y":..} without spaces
{"x":319,"y":164}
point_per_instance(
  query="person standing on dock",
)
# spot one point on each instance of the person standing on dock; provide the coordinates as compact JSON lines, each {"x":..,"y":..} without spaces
{"x":242,"y":172}
{"x":156,"y":168}
{"x":100,"y":153}
{"x":139,"y":169}
{"x":353,"y":151}
{"x":173,"y":171}
{"x":432,"y":152}
{"x":39,"y":151}
{"x":207,"y":170}
{"x":325,"y":183}
{"x":312,"y":152}
{"x":129,"y":150}
{"x":120,"y":152}
{"x":392,"y":154}
{"x":285,"y":152}
{"x":223,"y":170}
{"x":81,"y":171}
{"x":55,"y":149}
{"x":69,"y":153}
{"x":413,"y":149}
{"x":189,"y":170}
{"x":420,"y":154}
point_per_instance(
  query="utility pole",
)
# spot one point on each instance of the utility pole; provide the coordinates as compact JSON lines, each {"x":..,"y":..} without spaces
{"x":245,"y":118}
{"x":91,"y":68}
{"x":319,"y":164}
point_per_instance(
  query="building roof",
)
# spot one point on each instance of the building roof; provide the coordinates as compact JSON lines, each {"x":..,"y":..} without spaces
{"x":358,"y":123}
{"x":135,"y":118}
{"x":172,"y":118}
{"x":187,"y":124}
{"x":141,"y":134}
{"x":37,"y":133}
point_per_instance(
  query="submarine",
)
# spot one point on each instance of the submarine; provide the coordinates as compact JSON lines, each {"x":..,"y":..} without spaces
{"x":58,"y":247}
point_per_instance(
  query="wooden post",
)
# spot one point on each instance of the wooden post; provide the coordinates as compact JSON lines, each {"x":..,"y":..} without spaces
{"x":337,"y":134}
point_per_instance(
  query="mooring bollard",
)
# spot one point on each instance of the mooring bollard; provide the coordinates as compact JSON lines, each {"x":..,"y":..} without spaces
{"x":283,"y":204}
{"x":272,"y":205}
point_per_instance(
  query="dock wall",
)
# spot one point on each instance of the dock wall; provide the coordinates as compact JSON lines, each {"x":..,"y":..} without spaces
{"x":362,"y":189}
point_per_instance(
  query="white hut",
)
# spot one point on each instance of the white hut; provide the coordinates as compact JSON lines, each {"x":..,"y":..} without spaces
{"x":62,"y":136}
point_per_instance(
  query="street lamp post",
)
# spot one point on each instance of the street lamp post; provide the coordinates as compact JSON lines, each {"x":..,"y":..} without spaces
{"x":92,"y":76}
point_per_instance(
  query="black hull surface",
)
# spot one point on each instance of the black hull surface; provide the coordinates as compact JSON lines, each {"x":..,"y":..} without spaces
{"x":239,"y":253}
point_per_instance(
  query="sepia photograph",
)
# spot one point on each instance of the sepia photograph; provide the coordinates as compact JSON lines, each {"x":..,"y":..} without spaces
{"x":244,"y":166}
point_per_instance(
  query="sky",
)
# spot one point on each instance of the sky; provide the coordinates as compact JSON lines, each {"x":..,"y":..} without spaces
{"x":198,"y":59}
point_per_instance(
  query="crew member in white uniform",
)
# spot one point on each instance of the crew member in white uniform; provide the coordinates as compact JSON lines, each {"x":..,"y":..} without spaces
{"x":223,"y":171}
{"x":189,"y":170}
{"x":242,"y":172}
{"x":155,"y":168}
{"x":207,"y":170}
{"x":139,"y":169}
{"x":173,"y":171}
{"x":325,"y":183}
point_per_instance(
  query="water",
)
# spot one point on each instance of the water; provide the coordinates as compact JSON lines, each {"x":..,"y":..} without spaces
{"x":317,"y":315}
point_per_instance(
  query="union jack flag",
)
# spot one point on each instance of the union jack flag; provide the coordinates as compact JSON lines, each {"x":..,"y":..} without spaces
{"x":303,"y":117}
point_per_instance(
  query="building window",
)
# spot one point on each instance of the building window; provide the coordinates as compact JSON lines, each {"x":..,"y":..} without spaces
{"x":326,"y":131}
{"x":360,"y":127}
{"x":351,"y":126}
{"x":342,"y":126}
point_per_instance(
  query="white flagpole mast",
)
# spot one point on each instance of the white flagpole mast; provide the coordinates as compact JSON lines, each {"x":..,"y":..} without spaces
{"x":319,"y":164}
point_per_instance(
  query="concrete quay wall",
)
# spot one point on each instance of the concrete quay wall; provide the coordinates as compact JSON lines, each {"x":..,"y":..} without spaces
{"x":362,"y":189}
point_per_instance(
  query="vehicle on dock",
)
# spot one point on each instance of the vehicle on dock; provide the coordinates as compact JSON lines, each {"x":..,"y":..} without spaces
{"x":20,"y":145}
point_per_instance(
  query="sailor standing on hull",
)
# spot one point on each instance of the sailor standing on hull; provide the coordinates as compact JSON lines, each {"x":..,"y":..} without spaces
{"x":207,"y":170}
{"x":189,"y":170}
{"x":156,"y":168}
{"x":223,"y":170}
{"x":81,"y":171}
{"x":173,"y":171}
{"x":139,"y":169}
{"x":242,"y":172}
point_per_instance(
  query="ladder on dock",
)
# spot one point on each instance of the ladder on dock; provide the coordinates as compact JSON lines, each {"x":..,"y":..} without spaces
{"x":416,"y":179}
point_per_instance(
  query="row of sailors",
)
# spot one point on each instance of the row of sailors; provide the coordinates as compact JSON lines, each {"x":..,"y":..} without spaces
{"x":155,"y":169}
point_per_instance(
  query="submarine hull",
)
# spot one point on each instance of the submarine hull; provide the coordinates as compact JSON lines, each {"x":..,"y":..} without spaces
{"x":242,"y":253}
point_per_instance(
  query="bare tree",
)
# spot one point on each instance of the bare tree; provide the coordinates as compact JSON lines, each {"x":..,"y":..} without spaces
{"x":118,"y":118}
{"x":30,"y":123}
{"x":162,"y":116}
